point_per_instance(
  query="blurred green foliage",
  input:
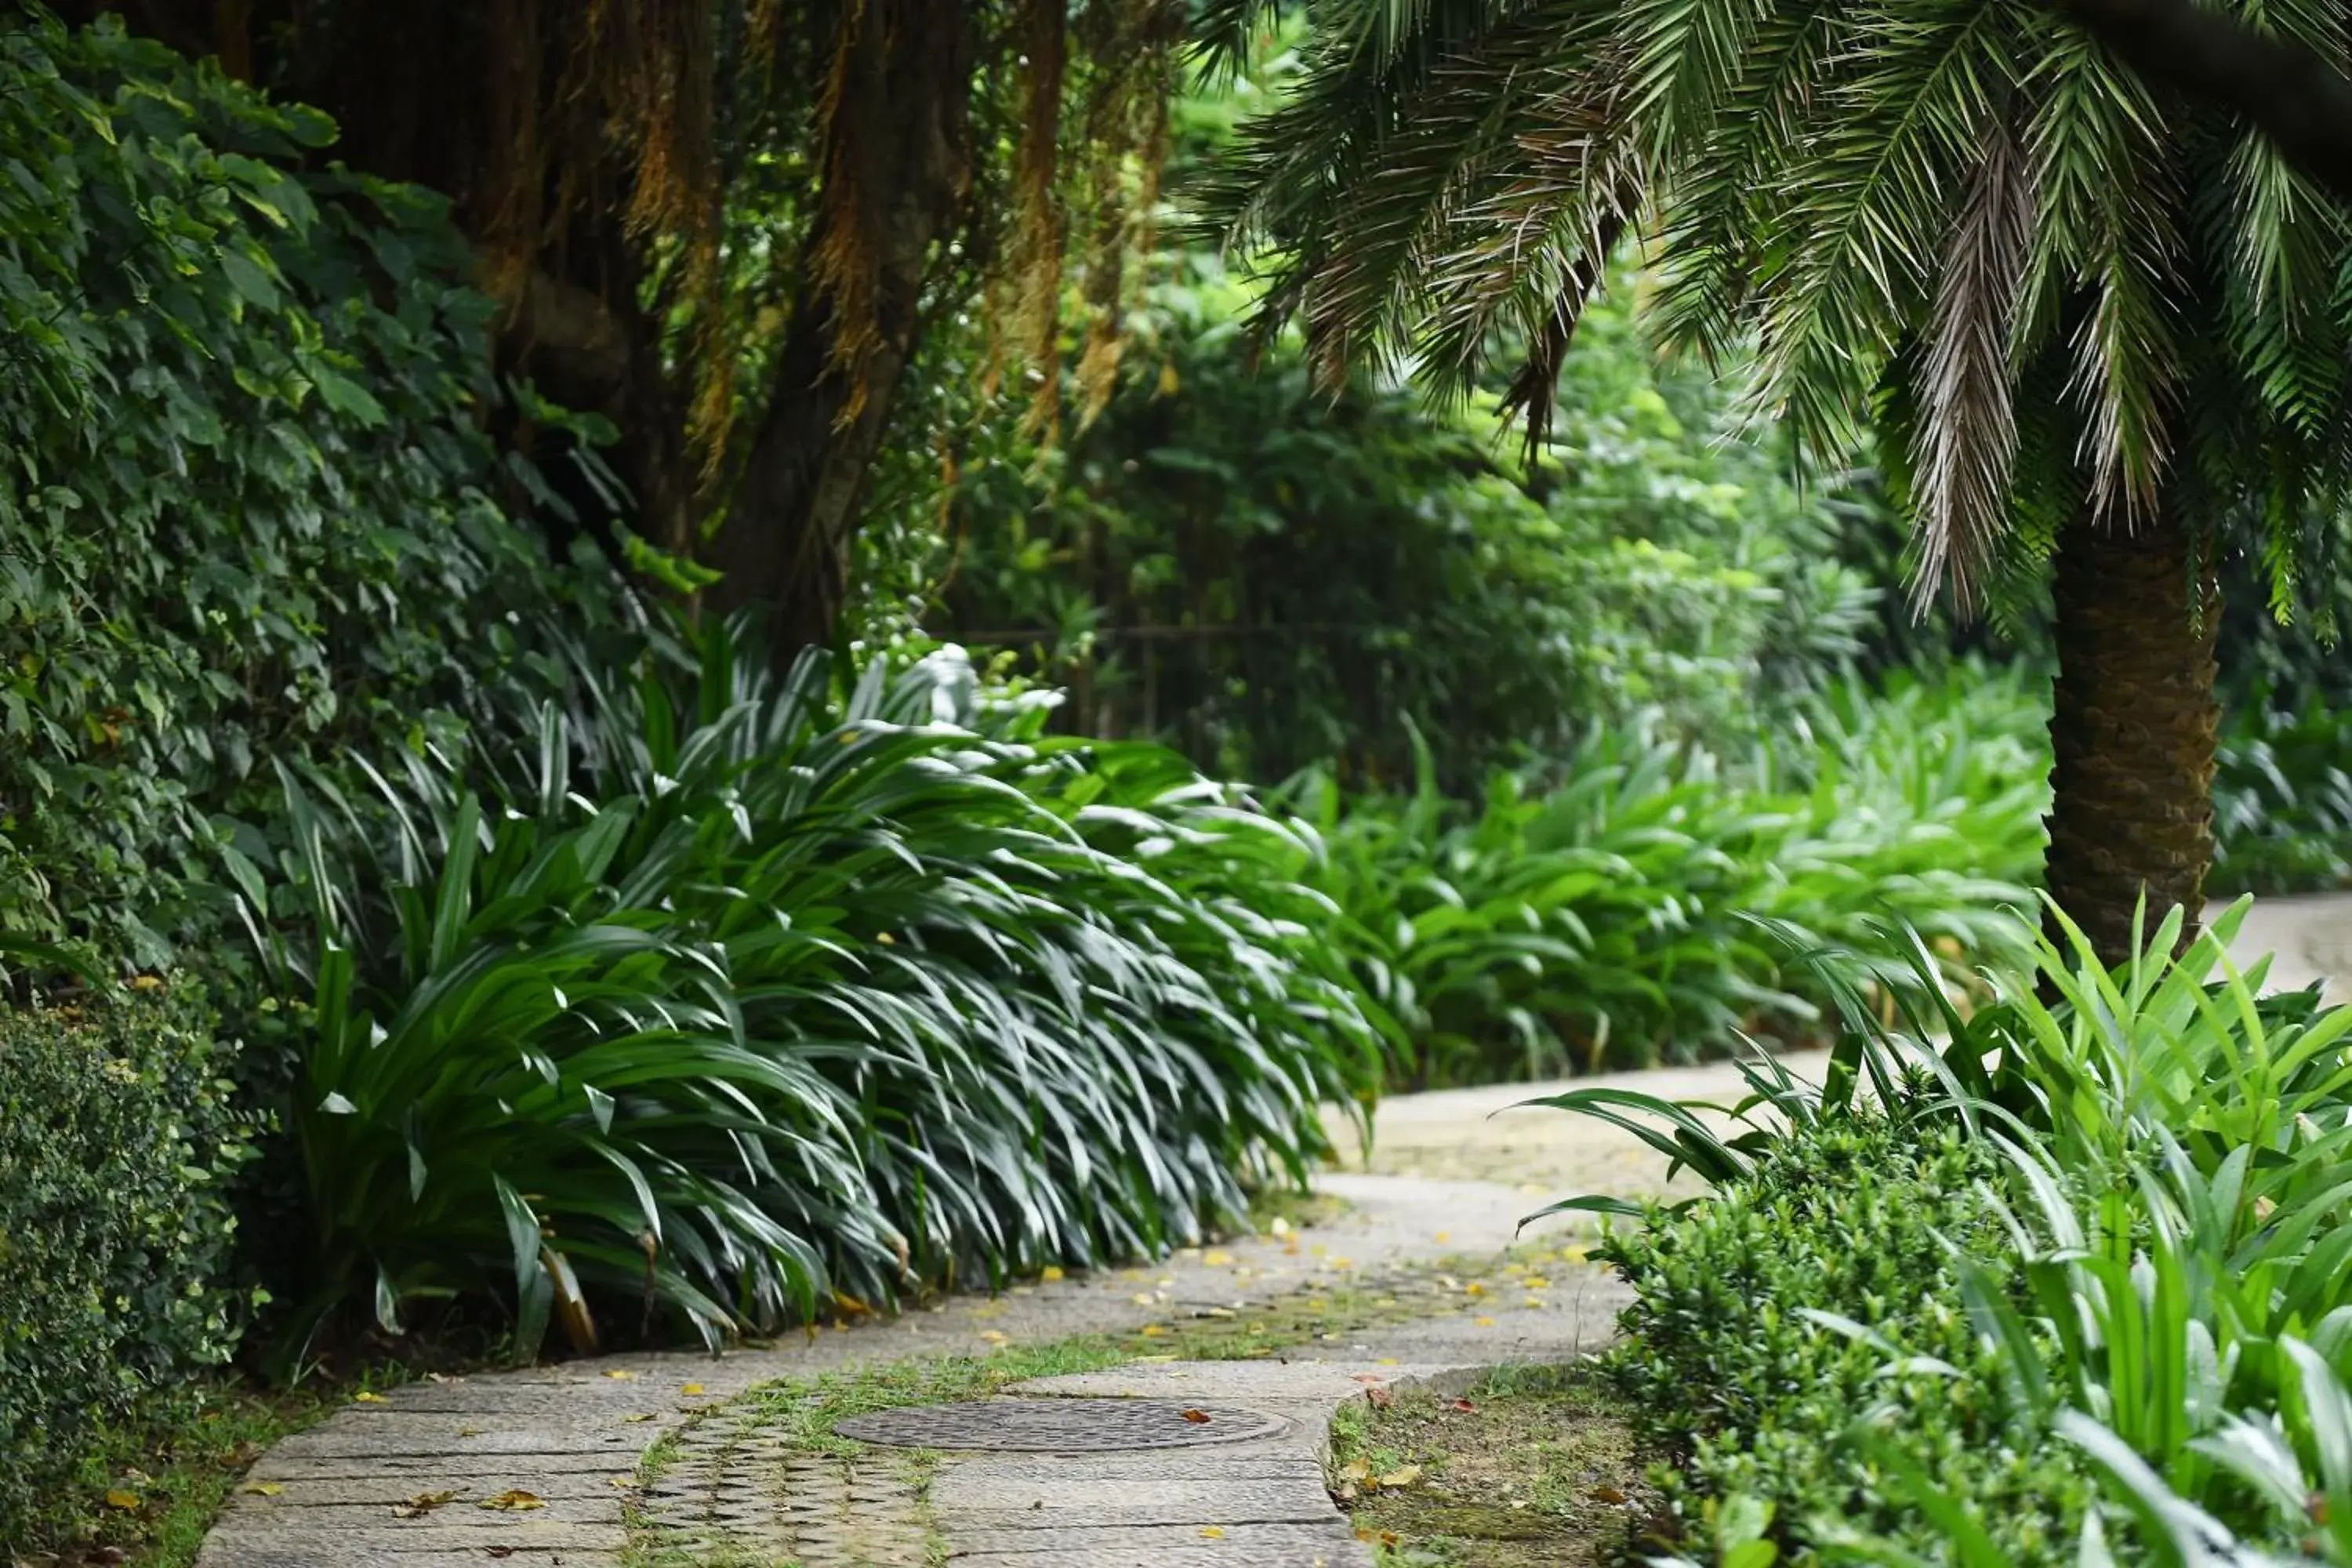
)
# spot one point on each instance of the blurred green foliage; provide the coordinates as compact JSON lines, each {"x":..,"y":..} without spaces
{"x":1269,"y":577}
{"x":1605,"y":913}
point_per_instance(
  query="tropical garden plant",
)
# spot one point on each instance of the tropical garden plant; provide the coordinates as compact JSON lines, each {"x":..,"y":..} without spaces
{"x":250,"y":514}
{"x":1604,"y":912}
{"x":740,"y":996}
{"x":2096,"y":1309}
{"x":2093,"y":321}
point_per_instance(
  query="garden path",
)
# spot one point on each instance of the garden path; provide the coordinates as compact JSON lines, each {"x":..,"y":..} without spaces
{"x":413,"y":1479}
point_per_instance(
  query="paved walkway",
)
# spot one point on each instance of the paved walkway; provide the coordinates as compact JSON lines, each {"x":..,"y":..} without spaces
{"x":408,"y":1480}
{"x":416,"y":1480}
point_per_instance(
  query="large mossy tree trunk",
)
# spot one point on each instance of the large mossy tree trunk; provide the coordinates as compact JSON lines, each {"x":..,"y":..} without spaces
{"x":2132,"y":729}
{"x":898,"y":167}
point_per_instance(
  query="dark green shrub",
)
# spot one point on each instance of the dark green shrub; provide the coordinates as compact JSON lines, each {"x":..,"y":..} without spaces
{"x":250,"y":506}
{"x":2092,"y":1229}
{"x":117,"y":1142}
{"x":1759,"y":1401}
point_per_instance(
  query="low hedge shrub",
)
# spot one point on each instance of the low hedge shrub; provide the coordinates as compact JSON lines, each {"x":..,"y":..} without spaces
{"x":1755,"y":1397}
{"x":118,"y":1141}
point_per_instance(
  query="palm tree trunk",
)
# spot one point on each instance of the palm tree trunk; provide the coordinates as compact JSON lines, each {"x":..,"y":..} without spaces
{"x":2132,"y":730}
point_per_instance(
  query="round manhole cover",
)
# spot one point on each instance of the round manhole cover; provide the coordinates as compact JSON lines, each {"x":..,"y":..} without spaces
{"x":1060,"y":1425}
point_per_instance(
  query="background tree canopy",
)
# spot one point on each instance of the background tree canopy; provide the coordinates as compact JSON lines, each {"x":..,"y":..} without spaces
{"x":2094,"y":319}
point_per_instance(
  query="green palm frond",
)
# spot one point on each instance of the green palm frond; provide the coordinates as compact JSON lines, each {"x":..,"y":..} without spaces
{"x":2065,"y":290}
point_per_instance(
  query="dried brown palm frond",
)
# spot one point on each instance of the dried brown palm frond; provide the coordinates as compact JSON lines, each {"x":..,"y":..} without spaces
{"x":1965,"y":443}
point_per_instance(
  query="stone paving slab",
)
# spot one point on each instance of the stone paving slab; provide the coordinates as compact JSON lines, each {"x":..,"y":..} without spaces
{"x":410,"y":1471}
{"x":1328,"y":1545}
{"x":383,"y":1488}
{"x":419,"y":1554}
{"x":564,"y":1521}
{"x":390,"y":1438}
{"x":992,"y":1501}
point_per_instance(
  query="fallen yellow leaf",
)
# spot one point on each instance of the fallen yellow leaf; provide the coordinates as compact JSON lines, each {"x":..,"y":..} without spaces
{"x":994,"y":1336}
{"x":627,"y":1483}
{"x":514,"y":1501}
{"x":1050,"y":1273}
{"x":1279,"y":1225}
{"x":470,"y":1431}
{"x":1143,"y":1299}
{"x":1213,"y":1532}
{"x":1358,"y":1470}
{"x":1403,"y":1476}
{"x":636,"y":1417}
{"x":691,"y":1388}
{"x":1484,"y":1322}
{"x":1151,"y":1331}
{"x":617,"y":1376}
{"x":1218,"y":1260}
{"x":126,"y":1500}
{"x":261,"y":1488}
{"x":364,"y":1397}
{"x":423,"y":1503}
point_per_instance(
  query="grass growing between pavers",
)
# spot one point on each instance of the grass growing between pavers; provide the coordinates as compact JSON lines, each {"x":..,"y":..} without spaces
{"x":1533,"y":1467}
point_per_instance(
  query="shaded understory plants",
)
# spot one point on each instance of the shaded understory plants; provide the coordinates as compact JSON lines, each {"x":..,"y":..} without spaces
{"x":251,"y":509}
{"x":741,"y":997}
{"x":2283,"y":799}
{"x":2070,"y":1284}
{"x":1605,"y":914}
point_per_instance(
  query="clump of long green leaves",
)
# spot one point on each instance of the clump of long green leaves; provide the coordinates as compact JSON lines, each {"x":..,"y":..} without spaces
{"x":2283,"y":798}
{"x":727,"y":994}
{"x":2170,"y":1299}
{"x":1609,"y":916}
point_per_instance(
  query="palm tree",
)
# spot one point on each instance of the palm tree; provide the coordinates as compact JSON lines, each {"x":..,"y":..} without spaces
{"x":2090,"y":319}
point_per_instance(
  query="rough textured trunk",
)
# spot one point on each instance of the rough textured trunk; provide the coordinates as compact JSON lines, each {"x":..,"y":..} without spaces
{"x":899,"y":165}
{"x":2132,"y":728}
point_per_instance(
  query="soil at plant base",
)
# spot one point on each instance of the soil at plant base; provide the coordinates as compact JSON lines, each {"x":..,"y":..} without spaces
{"x":1534,"y":1467}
